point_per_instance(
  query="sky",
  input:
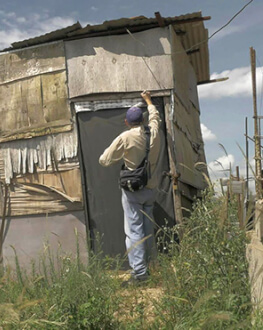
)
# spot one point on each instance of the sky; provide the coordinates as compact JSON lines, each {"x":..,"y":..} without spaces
{"x":224,"y":105}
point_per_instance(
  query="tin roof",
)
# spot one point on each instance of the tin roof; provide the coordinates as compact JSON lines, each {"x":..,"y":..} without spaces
{"x":48,"y":37}
{"x":190,"y":27}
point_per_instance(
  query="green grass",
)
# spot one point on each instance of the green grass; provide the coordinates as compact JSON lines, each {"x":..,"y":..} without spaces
{"x":200,"y":284}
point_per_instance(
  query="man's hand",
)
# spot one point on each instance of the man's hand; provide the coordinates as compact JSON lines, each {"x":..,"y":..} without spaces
{"x":147,"y":97}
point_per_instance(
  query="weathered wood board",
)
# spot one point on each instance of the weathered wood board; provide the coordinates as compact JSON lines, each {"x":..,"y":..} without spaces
{"x":122,"y":63}
{"x":33,"y":89}
{"x":30,"y":102}
{"x":42,"y":193}
{"x":31,"y":61}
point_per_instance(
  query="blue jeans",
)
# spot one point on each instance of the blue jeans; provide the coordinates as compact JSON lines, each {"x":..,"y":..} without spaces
{"x":137,"y":226}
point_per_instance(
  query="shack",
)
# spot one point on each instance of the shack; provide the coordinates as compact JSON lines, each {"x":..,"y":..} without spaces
{"x":63,"y":99}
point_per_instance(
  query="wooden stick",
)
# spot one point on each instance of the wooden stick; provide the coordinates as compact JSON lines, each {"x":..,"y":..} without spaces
{"x":3,"y":223}
{"x":256,"y":129}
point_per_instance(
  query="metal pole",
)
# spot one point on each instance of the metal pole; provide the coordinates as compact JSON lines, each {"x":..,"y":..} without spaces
{"x":256,"y":131}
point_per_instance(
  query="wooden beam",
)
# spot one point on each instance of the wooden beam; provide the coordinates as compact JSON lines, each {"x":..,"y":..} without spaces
{"x":174,"y":175}
{"x":212,"y":81}
{"x":59,"y":126}
{"x":256,"y":126}
{"x":159,"y":19}
{"x":191,"y":20}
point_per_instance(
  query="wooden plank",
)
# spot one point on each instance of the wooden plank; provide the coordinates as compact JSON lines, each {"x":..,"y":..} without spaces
{"x":159,"y":18}
{"x":172,"y":160}
{"x":55,"y":127}
{"x":119,"y":96}
{"x":212,"y":81}
{"x":54,"y":91}
{"x":31,"y":61}
{"x":71,"y":180}
{"x":41,"y":193}
{"x":33,"y":102}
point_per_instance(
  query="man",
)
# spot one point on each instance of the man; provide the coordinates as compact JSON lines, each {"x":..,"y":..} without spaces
{"x":131,"y":147}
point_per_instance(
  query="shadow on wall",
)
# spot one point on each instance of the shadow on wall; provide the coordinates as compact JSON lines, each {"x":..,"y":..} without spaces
{"x":142,"y":44}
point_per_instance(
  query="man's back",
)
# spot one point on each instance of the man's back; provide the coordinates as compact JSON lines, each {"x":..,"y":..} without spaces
{"x":131,"y":146}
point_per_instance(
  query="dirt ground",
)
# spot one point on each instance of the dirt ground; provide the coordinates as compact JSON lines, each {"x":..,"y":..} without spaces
{"x":140,"y":301}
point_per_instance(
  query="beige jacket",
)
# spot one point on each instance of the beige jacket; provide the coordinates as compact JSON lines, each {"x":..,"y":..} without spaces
{"x":131,"y":147}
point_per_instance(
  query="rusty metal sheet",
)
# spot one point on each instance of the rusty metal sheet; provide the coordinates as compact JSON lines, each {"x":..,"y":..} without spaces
{"x":32,"y":102}
{"x":31,"y":62}
{"x":122,"y":63}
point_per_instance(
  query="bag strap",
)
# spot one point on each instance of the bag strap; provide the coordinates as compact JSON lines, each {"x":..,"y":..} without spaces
{"x":148,"y":136}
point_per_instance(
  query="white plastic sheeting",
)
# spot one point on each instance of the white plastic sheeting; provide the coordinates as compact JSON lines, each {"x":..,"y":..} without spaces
{"x":23,"y":156}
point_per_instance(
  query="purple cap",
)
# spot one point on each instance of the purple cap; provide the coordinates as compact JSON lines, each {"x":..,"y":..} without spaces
{"x":134,"y":115}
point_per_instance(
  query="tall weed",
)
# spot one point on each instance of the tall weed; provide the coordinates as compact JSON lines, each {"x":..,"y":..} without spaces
{"x":200,"y":282}
{"x":205,"y":277}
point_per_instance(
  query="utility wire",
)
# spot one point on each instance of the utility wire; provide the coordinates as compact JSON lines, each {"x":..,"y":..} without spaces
{"x":240,"y":11}
{"x":144,"y":60}
{"x":210,"y":37}
{"x":192,"y":47}
{"x":220,"y":29}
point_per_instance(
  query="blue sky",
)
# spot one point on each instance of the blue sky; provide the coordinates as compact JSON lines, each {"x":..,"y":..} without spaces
{"x":224,"y":106}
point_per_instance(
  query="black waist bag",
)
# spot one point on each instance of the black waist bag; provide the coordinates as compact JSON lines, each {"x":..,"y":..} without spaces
{"x":138,"y":178}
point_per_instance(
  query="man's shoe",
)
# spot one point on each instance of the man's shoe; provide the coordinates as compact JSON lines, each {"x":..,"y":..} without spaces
{"x":133,"y":281}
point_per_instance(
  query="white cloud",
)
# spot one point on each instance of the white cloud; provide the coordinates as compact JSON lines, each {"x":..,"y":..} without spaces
{"x":226,"y":32}
{"x":16,"y":28}
{"x":10,"y":36}
{"x":239,"y":84}
{"x":54,"y":23}
{"x":221,"y":166}
{"x":94,"y":8}
{"x":254,"y":19}
{"x":207,"y":134}
{"x":21,"y":19}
